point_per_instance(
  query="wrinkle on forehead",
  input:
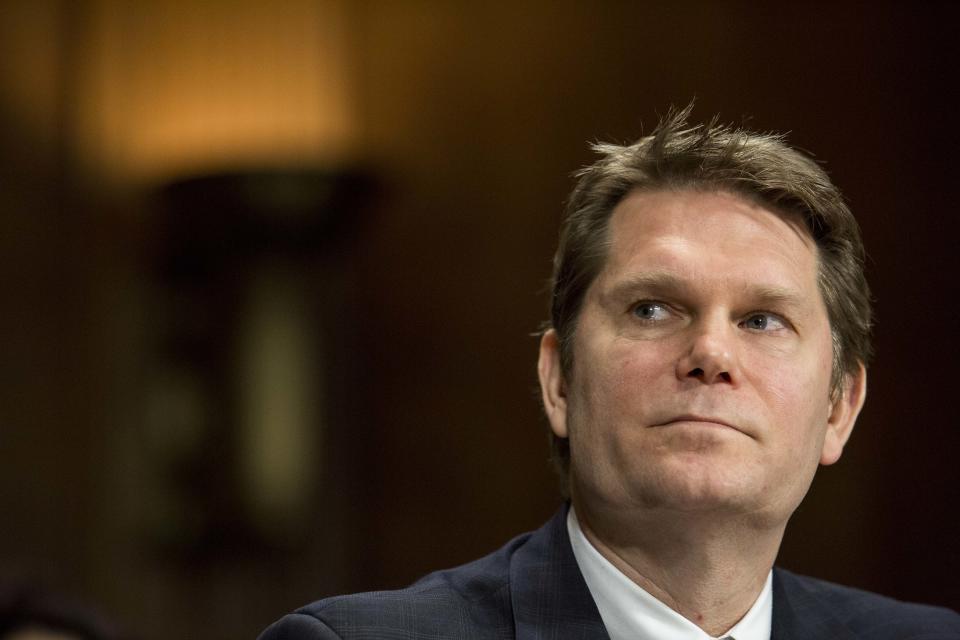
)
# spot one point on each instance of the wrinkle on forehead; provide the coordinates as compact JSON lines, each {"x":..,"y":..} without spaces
{"x":675,"y":220}
{"x":674,"y":197}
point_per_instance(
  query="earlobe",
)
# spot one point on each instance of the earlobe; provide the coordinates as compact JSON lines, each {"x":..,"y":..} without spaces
{"x":843,"y":415}
{"x":552,"y":386}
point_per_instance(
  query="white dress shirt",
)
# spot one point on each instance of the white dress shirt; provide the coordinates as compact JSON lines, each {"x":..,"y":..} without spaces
{"x":630,"y":613}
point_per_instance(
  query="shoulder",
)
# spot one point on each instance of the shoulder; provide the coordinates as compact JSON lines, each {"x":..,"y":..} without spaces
{"x":867,"y":614}
{"x":472,"y":600}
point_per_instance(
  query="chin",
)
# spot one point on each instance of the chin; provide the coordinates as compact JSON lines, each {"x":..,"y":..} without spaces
{"x":699,"y":489}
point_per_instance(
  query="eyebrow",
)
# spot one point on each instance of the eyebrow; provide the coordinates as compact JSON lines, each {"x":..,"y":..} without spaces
{"x":649,"y":283}
{"x":668,"y":284}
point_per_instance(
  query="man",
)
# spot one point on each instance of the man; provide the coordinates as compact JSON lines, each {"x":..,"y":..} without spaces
{"x":710,"y":325}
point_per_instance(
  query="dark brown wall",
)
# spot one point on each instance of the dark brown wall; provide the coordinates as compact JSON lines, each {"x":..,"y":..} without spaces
{"x":473,"y":118}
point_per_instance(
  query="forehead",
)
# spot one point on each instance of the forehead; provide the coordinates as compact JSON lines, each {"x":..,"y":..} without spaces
{"x":709,"y":236}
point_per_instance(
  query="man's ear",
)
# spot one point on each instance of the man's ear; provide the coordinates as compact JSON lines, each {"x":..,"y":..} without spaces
{"x":552,"y":386}
{"x":843,"y":414}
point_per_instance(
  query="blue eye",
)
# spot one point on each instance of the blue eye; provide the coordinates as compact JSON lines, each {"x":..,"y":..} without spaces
{"x":650,"y":311}
{"x":763,"y":322}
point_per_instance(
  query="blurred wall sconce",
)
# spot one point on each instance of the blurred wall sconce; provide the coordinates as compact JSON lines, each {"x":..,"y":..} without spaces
{"x":240,"y":116}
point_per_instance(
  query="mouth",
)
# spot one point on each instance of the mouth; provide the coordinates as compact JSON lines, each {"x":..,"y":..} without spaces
{"x":703,"y":421}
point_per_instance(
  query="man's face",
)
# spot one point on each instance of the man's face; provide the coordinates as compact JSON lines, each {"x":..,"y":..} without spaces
{"x":702,"y":361}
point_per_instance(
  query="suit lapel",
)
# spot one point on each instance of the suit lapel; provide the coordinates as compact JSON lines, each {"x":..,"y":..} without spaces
{"x":799,"y":615}
{"x":550,"y":599}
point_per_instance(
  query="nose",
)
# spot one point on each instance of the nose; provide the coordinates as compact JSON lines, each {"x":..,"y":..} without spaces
{"x":712,"y":356}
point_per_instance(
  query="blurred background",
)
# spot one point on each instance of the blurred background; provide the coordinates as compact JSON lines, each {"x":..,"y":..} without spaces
{"x":269,"y":274}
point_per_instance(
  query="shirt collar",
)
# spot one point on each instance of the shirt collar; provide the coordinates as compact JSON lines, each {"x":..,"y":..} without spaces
{"x":629,"y":612}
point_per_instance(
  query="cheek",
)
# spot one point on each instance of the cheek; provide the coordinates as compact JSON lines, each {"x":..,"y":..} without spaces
{"x":797,"y":398}
{"x":802,"y":411}
{"x":793,"y":377}
{"x":623,"y":377}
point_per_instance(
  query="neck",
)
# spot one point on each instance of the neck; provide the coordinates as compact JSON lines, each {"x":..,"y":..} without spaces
{"x":708,"y":568}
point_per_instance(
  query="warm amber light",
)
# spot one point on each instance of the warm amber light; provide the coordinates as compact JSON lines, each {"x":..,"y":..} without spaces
{"x":171,"y":87}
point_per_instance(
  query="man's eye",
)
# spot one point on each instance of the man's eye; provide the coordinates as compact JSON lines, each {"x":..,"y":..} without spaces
{"x":650,"y":311}
{"x":763,"y":322}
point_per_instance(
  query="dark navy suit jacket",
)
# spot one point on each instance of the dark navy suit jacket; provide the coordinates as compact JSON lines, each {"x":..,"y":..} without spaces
{"x":533,"y":589}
